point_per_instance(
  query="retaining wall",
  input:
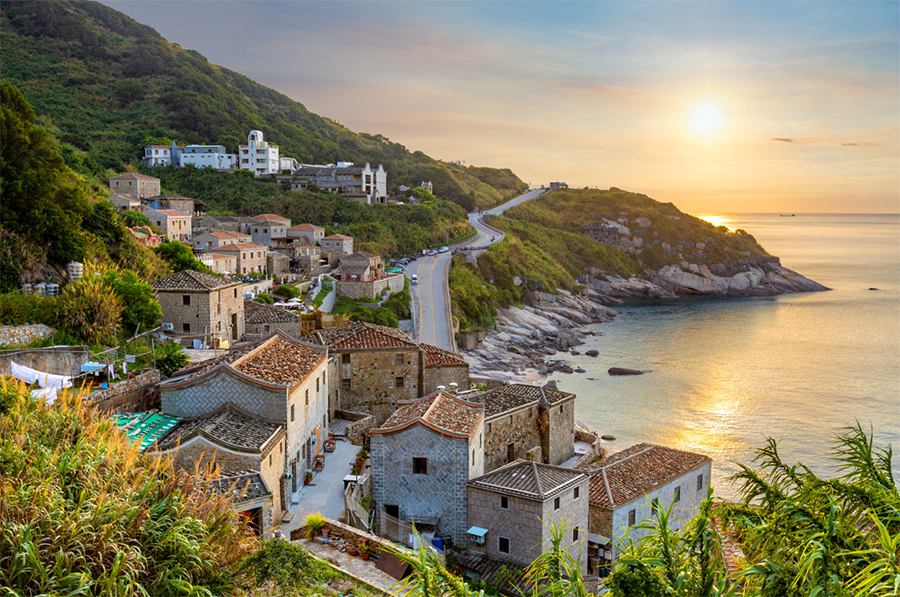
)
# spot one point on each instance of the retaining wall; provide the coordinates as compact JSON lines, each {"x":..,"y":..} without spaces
{"x":58,"y":360}
{"x":131,"y":395}
{"x":23,"y":335}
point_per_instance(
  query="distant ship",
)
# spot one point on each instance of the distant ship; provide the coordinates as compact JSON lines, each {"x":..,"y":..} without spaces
{"x":788,"y":215}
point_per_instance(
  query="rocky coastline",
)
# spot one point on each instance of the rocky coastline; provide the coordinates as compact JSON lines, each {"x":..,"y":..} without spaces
{"x":531,"y":341}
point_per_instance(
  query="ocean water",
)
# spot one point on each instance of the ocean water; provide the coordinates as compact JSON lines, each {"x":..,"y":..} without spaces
{"x":725,"y":373}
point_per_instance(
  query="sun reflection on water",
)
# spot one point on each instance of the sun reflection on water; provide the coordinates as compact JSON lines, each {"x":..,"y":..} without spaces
{"x":715,"y":220}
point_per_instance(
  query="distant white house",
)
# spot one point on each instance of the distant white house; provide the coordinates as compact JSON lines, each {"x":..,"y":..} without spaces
{"x":160,"y":155}
{"x":363,"y":184}
{"x":207,"y":156}
{"x":258,"y":155}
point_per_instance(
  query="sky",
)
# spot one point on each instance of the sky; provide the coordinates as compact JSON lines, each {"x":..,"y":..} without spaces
{"x":718,"y":107}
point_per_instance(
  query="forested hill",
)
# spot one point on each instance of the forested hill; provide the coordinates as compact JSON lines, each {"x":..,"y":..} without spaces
{"x":102,"y":84}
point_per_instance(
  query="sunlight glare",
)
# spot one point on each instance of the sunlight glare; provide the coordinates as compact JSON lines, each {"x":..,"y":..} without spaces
{"x":707,"y":118}
{"x":715,"y":220}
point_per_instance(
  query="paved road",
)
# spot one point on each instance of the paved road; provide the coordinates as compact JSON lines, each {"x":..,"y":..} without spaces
{"x":431,"y":296}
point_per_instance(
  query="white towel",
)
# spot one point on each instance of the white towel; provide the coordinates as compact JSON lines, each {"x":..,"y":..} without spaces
{"x":26,"y":374}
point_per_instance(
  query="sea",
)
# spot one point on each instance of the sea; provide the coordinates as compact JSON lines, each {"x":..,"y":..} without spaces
{"x":724,"y":374}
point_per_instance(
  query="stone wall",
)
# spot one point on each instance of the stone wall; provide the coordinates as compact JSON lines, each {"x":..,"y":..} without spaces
{"x":257,"y":331}
{"x":358,"y":431}
{"x":368,"y":383}
{"x":358,"y":290}
{"x":519,"y":428}
{"x":444,"y":375}
{"x":23,"y":335}
{"x":520,"y":524}
{"x":440,"y":494}
{"x":209,"y":313}
{"x":202,"y":396}
{"x":131,"y":395}
{"x":62,"y":360}
{"x":561,"y":432}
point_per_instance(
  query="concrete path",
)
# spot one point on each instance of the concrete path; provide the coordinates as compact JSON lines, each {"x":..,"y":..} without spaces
{"x":326,"y":493}
{"x":353,"y":565}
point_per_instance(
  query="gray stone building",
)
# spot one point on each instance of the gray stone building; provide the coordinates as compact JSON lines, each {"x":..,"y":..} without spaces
{"x":338,"y":242}
{"x":528,"y":422}
{"x":361,"y":267}
{"x":311,"y":233}
{"x":227,"y":223}
{"x":251,"y":257}
{"x":277,"y":263}
{"x":443,"y":368}
{"x":174,"y":223}
{"x":134,"y":185}
{"x":422,"y":458}
{"x":239,"y":444}
{"x":511,"y":508}
{"x":210,"y":240}
{"x":626,"y":483}
{"x":124,"y":203}
{"x":201,"y":305}
{"x":262,"y":320}
{"x":279,"y":379}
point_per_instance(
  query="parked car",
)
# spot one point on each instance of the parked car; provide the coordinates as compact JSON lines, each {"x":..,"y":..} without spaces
{"x":415,"y":279}
{"x":443,"y":249}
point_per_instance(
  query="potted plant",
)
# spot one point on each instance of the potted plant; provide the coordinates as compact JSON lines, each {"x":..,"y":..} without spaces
{"x":314,"y":522}
{"x":364,"y":550}
{"x":352,"y":548}
{"x":308,"y":478}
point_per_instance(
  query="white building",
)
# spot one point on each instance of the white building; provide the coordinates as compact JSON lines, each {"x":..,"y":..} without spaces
{"x":158,"y":155}
{"x":624,"y":487}
{"x":363,"y":184}
{"x":258,"y":155}
{"x":207,"y":156}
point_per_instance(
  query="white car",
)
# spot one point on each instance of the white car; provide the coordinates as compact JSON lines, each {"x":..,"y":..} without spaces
{"x":415,"y":279}
{"x":443,"y":249}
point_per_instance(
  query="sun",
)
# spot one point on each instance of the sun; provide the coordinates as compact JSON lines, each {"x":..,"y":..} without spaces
{"x":707,"y":118}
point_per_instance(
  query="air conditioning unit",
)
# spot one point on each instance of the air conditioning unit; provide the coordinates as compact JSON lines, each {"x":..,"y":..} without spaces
{"x":168,"y":326}
{"x":476,"y":535}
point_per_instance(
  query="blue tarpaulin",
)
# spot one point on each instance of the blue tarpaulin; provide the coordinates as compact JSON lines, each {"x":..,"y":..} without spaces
{"x":90,"y":367}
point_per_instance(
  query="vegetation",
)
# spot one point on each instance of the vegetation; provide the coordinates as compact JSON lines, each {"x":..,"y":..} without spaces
{"x":287,"y":291}
{"x":141,"y":310}
{"x":389,"y":314}
{"x":314,"y":523}
{"x":106,"y":86}
{"x":84,"y":513}
{"x":286,"y":566}
{"x":180,"y":257}
{"x":265,"y":298}
{"x":170,"y":358}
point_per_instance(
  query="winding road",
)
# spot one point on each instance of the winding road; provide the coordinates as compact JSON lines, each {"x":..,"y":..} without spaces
{"x":431,"y":296}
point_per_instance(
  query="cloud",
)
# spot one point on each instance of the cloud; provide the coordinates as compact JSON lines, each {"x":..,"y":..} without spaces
{"x":784,"y":139}
{"x":858,"y":144}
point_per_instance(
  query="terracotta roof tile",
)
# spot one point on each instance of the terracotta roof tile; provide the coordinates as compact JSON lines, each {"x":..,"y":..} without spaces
{"x":514,"y":396}
{"x":191,"y":280}
{"x":173,"y":213}
{"x":306,"y":227}
{"x":338,"y":237}
{"x":280,"y":361}
{"x":629,"y":474}
{"x":240,"y":246}
{"x":530,"y":480}
{"x":442,"y":412}
{"x":270,"y":218}
{"x":435,"y":357}
{"x":361,"y":335}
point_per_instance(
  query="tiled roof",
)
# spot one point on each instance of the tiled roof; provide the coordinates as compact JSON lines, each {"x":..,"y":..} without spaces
{"x":136,"y":176}
{"x":228,"y":219}
{"x":226,"y":234}
{"x":173,"y":213}
{"x":306,"y":227}
{"x":259,"y":313}
{"x":217,"y":257}
{"x":228,"y":426}
{"x":269,"y":218}
{"x":170,"y":197}
{"x":359,"y":255}
{"x":442,"y":412}
{"x":243,"y":486}
{"x":361,"y":335}
{"x":280,"y":360}
{"x":629,"y":474}
{"x":239,"y":246}
{"x":515,"y":396}
{"x":191,"y":280}
{"x":530,"y":480}
{"x":435,"y":356}
{"x":338,"y":237}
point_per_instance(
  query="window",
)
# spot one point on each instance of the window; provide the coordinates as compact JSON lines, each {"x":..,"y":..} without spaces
{"x":307,"y":395}
{"x":699,"y":481}
{"x":398,"y":382}
{"x":292,"y":413}
{"x":235,"y":293}
{"x":678,"y":494}
{"x":556,"y":504}
{"x":503,"y":544}
{"x":219,"y":312}
{"x":186,"y":327}
{"x":420,"y":466}
{"x":575,"y":534}
{"x":398,"y":360}
{"x":654,"y":504}
{"x":504,"y":502}
{"x":631,"y":517}
{"x":317,"y":384}
{"x":345,"y":384}
{"x":575,"y":493}
{"x":510,"y":452}
{"x":488,"y":430}
{"x":473,"y":457}
{"x":270,"y":460}
{"x":186,"y":299}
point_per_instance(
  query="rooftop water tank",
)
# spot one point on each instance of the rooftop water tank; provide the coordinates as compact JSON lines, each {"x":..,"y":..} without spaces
{"x":26,"y":289}
{"x":40,"y":288}
{"x":52,"y":289}
{"x":75,"y":269}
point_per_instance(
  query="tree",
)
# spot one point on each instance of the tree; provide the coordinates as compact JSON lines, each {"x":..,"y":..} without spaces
{"x":422,"y":194}
{"x":265,"y":298}
{"x":141,"y":307}
{"x":386,"y":317}
{"x":180,"y":257}
{"x":133,"y":219}
{"x":104,"y":222}
{"x":170,"y":357}
{"x":90,"y":310}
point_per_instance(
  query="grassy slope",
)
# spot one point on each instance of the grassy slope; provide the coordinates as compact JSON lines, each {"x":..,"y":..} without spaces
{"x":102,"y":83}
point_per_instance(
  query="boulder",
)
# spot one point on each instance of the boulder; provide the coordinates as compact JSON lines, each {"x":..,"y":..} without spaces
{"x":643,"y":222}
{"x":624,"y":371}
{"x":593,"y":353}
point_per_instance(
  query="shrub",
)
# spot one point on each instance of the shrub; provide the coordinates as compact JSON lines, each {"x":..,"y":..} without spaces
{"x":141,"y":307}
{"x":265,"y":299}
{"x":386,"y":317}
{"x":314,"y":522}
{"x":90,"y":310}
{"x":20,"y":309}
{"x":170,"y":357}
{"x":288,"y":291}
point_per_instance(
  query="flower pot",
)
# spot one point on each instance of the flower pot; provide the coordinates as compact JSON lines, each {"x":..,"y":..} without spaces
{"x":353,"y":552}
{"x":364,"y":556}
{"x":325,"y":532}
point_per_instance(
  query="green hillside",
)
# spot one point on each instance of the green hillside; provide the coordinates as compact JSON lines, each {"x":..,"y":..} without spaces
{"x":102,"y":84}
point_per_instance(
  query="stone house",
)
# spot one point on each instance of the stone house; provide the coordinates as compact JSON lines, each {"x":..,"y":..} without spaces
{"x":123,"y":203}
{"x":240,"y":444}
{"x":278,"y":379}
{"x":219,"y":263}
{"x":173,"y":223}
{"x":362,"y":184}
{"x":225,"y":223}
{"x":277,"y":263}
{"x":185,"y":204}
{"x":510,"y":508}
{"x":210,"y":240}
{"x":528,"y":422}
{"x":201,"y":305}
{"x":377,"y":367}
{"x":443,"y":368}
{"x":623,"y":487}
{"x":361,"y":267}
{"x":251,"y":257}
{"x":134,"y":185}
{"x":313,"y":234}
{"x":265,"y":233}
{"x":262,"y":320}
{"x":422,"y":457}
{"x":338,"y":242}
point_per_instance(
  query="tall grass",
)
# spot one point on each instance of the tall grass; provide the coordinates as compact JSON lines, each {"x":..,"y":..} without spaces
{"x":82,"y":512}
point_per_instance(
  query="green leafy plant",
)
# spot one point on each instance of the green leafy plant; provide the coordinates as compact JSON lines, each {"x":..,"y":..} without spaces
{"x":314,"y":523}
{"x":265,"y":299}
{"x":170,"y":357}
